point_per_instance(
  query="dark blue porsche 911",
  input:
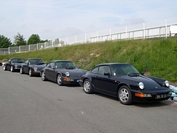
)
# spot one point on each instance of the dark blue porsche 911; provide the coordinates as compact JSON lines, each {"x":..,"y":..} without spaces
{"x":125,"y":82}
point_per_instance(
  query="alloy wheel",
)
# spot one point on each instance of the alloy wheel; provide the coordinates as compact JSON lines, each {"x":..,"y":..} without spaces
{"x":59,"y":80}
{"x":125,"y":95}
{"x":87,"y":86}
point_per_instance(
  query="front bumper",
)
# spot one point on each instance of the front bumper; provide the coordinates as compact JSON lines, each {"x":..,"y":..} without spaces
{"x":67,"y":80}
{"x":155,"y":96}
{"x":17,"y":67}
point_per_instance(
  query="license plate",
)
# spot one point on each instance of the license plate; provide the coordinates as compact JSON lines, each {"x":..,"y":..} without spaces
{"x":161,"y":96}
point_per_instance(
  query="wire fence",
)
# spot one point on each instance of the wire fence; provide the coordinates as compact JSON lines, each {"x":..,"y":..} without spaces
{"x":143,"y":33}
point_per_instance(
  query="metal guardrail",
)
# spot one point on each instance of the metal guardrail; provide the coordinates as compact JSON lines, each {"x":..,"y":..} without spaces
{"x":153,"y":32}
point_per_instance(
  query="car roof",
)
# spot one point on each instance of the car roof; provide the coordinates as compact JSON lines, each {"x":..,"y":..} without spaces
{"x":111,"y":63}
{"x":60,"y":60}
{"x":15,"y":58}
{"x":33,"y":58}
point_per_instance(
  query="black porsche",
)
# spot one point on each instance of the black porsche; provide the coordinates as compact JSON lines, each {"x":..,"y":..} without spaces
{"x":13,"y":64}
{"x":63,"y":72}
{"x":125,"y":82}
{"x":32,"y":66}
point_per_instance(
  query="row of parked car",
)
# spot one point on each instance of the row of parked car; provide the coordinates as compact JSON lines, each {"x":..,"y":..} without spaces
{"x":119,"y":80}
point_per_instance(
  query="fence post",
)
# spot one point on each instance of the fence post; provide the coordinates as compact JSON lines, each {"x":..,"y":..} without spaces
{"x":144,"y":30}
{"x":126,"y":32}
{"x":165,"y":28}
{"x":9,"y":50}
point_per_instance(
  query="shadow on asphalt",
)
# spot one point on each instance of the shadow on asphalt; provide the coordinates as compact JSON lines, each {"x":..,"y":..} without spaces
{"x":157,"y":104}
{"x":144,"y":104}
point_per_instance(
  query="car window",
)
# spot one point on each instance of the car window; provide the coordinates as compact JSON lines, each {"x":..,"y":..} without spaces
{"x":26,"y":62}
{"x":104,"y":69}
{"x":52,"y":64}
{"x":65,"y":64}
{"x":95,"y":70}
{"x":36,"y":61}
{"x":122,"y":69}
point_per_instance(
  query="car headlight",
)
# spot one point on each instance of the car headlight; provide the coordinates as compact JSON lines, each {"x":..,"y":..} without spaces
{"x":141,"y":85}
{"x":166,"y":83}
{"x":67,"y":74}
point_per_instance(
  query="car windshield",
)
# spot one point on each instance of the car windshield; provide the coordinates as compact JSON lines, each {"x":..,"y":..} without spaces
{"x":65,"y":64}
{"x":123,"y":69}
{"x":36,"y":61}
{"x":17,"y":60}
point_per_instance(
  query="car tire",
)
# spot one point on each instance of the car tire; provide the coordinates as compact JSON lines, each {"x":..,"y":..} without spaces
{"x":43,"y":76}
{"x":30,"y":72}
{"x":59,"y":80}
{"x":87,"y":87}
{"x":124,"y":95}
{"x":11,"y":68}
{"x":21,"y":70}
{"x":4,"y":68}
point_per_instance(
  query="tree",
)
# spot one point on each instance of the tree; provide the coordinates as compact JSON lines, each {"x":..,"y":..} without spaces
{"x":4,"y":42}
{"x":42,"y":41}
{"x":19,"y":40}
{"x":34,"y":39}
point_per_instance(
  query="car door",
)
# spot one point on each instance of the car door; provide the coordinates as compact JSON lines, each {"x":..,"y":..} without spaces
{"x":94,"y":74}
{"x":25,"y":66}
{"x":8,"y":64}
{"x":51,"y":71}
{"x":105,"y":82}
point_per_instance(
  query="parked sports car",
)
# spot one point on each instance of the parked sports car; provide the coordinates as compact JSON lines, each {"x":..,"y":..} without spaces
{"x":13,"y":64}
{"x":125,"y":82}
{"x":63,"y":72}
{"x":32,"y":66}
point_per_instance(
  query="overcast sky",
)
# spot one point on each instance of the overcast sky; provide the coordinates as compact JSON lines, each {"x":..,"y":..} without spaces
{"x":52,"y":19}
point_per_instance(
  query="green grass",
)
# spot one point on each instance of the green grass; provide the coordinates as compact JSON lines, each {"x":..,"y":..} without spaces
{"x":155,"y":56}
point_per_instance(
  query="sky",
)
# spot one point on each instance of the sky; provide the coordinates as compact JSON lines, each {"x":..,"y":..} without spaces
{"x":52,"y":19}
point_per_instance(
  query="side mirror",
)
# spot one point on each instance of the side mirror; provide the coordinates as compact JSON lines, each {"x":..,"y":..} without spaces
{"x":142,"y":73}
{"x":107,"y":74}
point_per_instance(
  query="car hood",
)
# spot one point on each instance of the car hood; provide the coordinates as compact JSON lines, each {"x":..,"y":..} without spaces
{"x":39,"y":66}
{"x":149,"y":84}
{"x":74,"y":72}
{"x":18,"y":64}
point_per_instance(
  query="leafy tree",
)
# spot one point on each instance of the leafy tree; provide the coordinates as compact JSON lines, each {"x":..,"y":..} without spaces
{"x":4,"y":42}
{"x":42,"y":41}
{"x":19,"y":40}
{"x":34,"y":39}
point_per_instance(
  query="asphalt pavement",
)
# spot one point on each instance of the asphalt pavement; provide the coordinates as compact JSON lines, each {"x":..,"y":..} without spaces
{"x":30,"y":105}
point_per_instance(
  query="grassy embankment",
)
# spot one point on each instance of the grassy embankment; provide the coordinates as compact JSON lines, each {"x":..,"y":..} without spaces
{"x":158,"y":57}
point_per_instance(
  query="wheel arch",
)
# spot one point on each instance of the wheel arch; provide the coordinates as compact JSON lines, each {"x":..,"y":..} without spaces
{"x":122,"y":84}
